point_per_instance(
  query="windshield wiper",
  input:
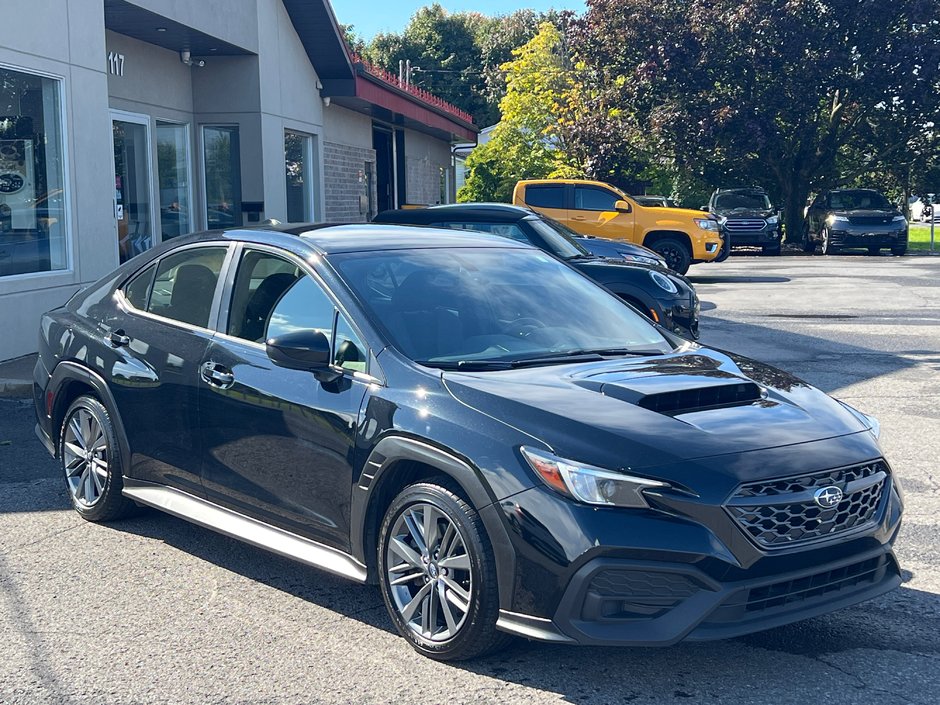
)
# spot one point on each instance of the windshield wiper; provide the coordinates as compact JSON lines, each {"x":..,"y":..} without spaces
{"x":467,"y":365}
{"x":582,"y":355}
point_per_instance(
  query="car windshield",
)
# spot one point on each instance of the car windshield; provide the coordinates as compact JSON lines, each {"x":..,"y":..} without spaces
{"x":743,"y":201}
{"x":475,"y":308}
{"x":858,"y":200}
{"x":558,"y":238}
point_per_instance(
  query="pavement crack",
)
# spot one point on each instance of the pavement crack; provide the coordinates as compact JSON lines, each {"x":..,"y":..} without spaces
{"x":59,"y":532}
{"x":861,"y":684}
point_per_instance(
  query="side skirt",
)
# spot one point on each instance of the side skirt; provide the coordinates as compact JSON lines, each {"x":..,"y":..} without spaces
{"x":225,"y":521}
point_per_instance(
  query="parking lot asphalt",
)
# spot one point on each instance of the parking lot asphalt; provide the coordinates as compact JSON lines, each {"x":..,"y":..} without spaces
{"x":153,"y":609}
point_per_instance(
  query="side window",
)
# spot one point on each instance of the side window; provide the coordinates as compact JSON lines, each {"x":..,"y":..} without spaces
{"x":591,"y":198}
{"x":349,"y":352}
{"x":185,"y":285}
{"x":302,"y":306}
{"x":137,"y":290}
{"x":545,"y":196}
{"x":261,"y":281}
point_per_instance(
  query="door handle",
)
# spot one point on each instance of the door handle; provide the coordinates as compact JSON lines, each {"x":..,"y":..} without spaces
{"x":217,"y":375}
{"x":118,"y":338}
{"x":578,"y":217}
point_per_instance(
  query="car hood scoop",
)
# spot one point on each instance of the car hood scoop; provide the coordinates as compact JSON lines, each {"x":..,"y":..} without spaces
{"x":646,"y":411}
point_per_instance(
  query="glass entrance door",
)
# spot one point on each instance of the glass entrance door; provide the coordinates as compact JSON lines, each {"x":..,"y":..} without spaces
{"x":133,"y":209}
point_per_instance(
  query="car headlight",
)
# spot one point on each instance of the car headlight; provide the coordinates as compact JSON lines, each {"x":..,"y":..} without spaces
{"x":899,"y":219}
{"x":836,"y":219}
{"x":664,"y":282}
{"x":589,"y":484}
{"x":706,"y":223}
{"x":874,"y":426}
{"x":773,"y":220}
{"x":644,"y":260}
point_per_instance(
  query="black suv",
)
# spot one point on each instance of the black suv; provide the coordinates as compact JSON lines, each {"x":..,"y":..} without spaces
{"x":497,"y":441}
{"x":657,"y":292}
{"x":748,"y":217}
{"x":854,"y":218}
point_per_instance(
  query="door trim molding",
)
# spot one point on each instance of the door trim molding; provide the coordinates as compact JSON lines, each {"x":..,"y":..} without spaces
{"x":252,"y":531}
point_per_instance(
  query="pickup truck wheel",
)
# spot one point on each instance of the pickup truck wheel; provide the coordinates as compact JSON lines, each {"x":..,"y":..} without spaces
{"x":677,"y":255}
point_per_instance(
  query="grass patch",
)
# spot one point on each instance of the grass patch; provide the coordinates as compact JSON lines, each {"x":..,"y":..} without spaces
{"x":918,"y":237}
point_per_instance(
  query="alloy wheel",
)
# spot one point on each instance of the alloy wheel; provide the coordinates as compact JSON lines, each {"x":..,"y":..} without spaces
{"x":428,"y":572}
{"x":85,"y":457}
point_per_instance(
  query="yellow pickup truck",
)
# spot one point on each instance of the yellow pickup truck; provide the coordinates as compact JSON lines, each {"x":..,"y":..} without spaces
{"x":681,"y":236}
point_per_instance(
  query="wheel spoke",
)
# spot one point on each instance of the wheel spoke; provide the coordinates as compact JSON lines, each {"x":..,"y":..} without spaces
{"x":409,"y":610}
{"x":429,"y":614}
{"x":405,"y":551}
{"x":430,"y":527}
{"x":458,"y":591}
{"x":447,"y":540}
{"x":73,"y":466}
{"x":76,"y":427}
{"x":89,"y":488}
{"x":405,"y":579}
{"x":461,"y":562}
{"x":74,"y":448}
{"x":99,"y":485}
{"x":414,"y":529}
{"x":445,"y":608}
{"x":80,"y":487}
{"x":87,"y":433}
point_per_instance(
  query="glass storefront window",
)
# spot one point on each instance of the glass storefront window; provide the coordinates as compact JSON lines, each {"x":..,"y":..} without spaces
{"x":32,"y":182}
{"x":223,"y":176}
{"x":132,"y":199}
{"x":173,"y":174}
{"x":298,"y":162}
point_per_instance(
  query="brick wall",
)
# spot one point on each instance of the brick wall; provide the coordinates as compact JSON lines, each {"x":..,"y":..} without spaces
{"x":347,"y":171}
{"x":422,"y":181}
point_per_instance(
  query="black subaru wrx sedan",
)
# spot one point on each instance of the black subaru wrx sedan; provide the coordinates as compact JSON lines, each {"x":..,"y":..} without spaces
{"x":657,"y":292}
{"x":499,"y":443}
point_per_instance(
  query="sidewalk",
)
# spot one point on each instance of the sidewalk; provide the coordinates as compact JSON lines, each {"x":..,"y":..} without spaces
{"x":16,"y":377}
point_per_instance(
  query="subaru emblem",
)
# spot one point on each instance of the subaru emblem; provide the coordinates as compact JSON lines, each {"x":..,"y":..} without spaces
{"x":828,"y":497}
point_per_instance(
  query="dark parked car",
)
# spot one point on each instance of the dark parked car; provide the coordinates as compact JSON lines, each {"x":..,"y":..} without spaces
{"x":612,"y":249}
{"x":748,"y":217}
{"x":656,"y":201}
{"x":854,"y":218}
{"x":493,"y":438}
{"x":659,"y":293}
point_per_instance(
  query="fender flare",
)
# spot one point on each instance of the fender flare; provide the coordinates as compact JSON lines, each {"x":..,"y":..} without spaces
{"x":393,"y":449}
{"x":69,"y":371}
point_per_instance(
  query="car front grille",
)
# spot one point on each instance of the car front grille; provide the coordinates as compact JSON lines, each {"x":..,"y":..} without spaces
{"x":869,"y":219}
{"x":742,"y":225}
{"x":782,"y":513}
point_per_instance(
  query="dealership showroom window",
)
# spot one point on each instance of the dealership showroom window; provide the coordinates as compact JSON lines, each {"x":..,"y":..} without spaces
{"x":32,"y":197}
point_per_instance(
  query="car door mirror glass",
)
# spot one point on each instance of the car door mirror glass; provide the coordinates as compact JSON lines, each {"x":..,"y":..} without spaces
{"x":622,"y":207}
{"x":300,"y":350}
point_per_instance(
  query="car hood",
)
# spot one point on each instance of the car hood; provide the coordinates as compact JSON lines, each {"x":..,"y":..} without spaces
{"x":733,"y":213}
{"x":646,"y":411}
{"x":606,"y":270}
{"x":867,"y":213}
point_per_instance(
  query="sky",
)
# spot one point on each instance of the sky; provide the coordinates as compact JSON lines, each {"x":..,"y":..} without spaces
{"x":372,"y":16}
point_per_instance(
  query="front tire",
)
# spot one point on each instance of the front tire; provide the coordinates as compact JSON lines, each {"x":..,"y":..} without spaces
{"x":827,"y":247}
{"x":899,"y":251}
{"x":676,"y":253}
{"x":91,"y":460}
{"x":874,"y":251}
{"x":770,"y":250}
{"x":437,"y":574}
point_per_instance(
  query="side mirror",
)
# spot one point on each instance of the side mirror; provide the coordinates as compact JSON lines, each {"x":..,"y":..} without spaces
{"x":300,"y":350}
{"x":622,"y":207}
{"x":704,"y":208}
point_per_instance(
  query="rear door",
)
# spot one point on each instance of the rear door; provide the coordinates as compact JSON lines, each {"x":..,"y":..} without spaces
{"x":279,"y":443}
{"x":548,"y":199}
{"x":167,"y":313}
{"x":593,"y":212}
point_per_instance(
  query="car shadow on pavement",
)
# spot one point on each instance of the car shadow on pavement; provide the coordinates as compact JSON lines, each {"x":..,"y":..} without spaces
{"x":864,"y":654}
{"x":736,"y":279}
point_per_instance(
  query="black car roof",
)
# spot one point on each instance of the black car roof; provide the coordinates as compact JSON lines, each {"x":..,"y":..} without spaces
{"x":327,"y":238}
{"x":471,"y":212}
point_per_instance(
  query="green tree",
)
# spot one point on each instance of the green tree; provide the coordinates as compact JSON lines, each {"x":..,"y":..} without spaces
{"x":532,"y":138}
{"x":772,"y":92}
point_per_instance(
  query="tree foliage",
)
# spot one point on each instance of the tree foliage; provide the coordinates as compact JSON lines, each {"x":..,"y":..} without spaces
{"x":793,"y":95}
{"x":532,"y":138}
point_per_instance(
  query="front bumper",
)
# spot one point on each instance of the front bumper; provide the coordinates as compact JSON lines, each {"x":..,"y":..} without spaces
{"x":764,"y":236}
{"x":849,"y":235}
{"x":680,"y":313}
{"x":674,"y":578}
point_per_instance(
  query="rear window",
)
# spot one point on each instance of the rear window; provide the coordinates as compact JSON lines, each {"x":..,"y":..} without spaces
{"x":545,"y":196}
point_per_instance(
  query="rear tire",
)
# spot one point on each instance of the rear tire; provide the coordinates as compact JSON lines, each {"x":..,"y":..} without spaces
{"x":91,"y":460}
{"x":676,"y":253}
{"x":437,"y":574}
